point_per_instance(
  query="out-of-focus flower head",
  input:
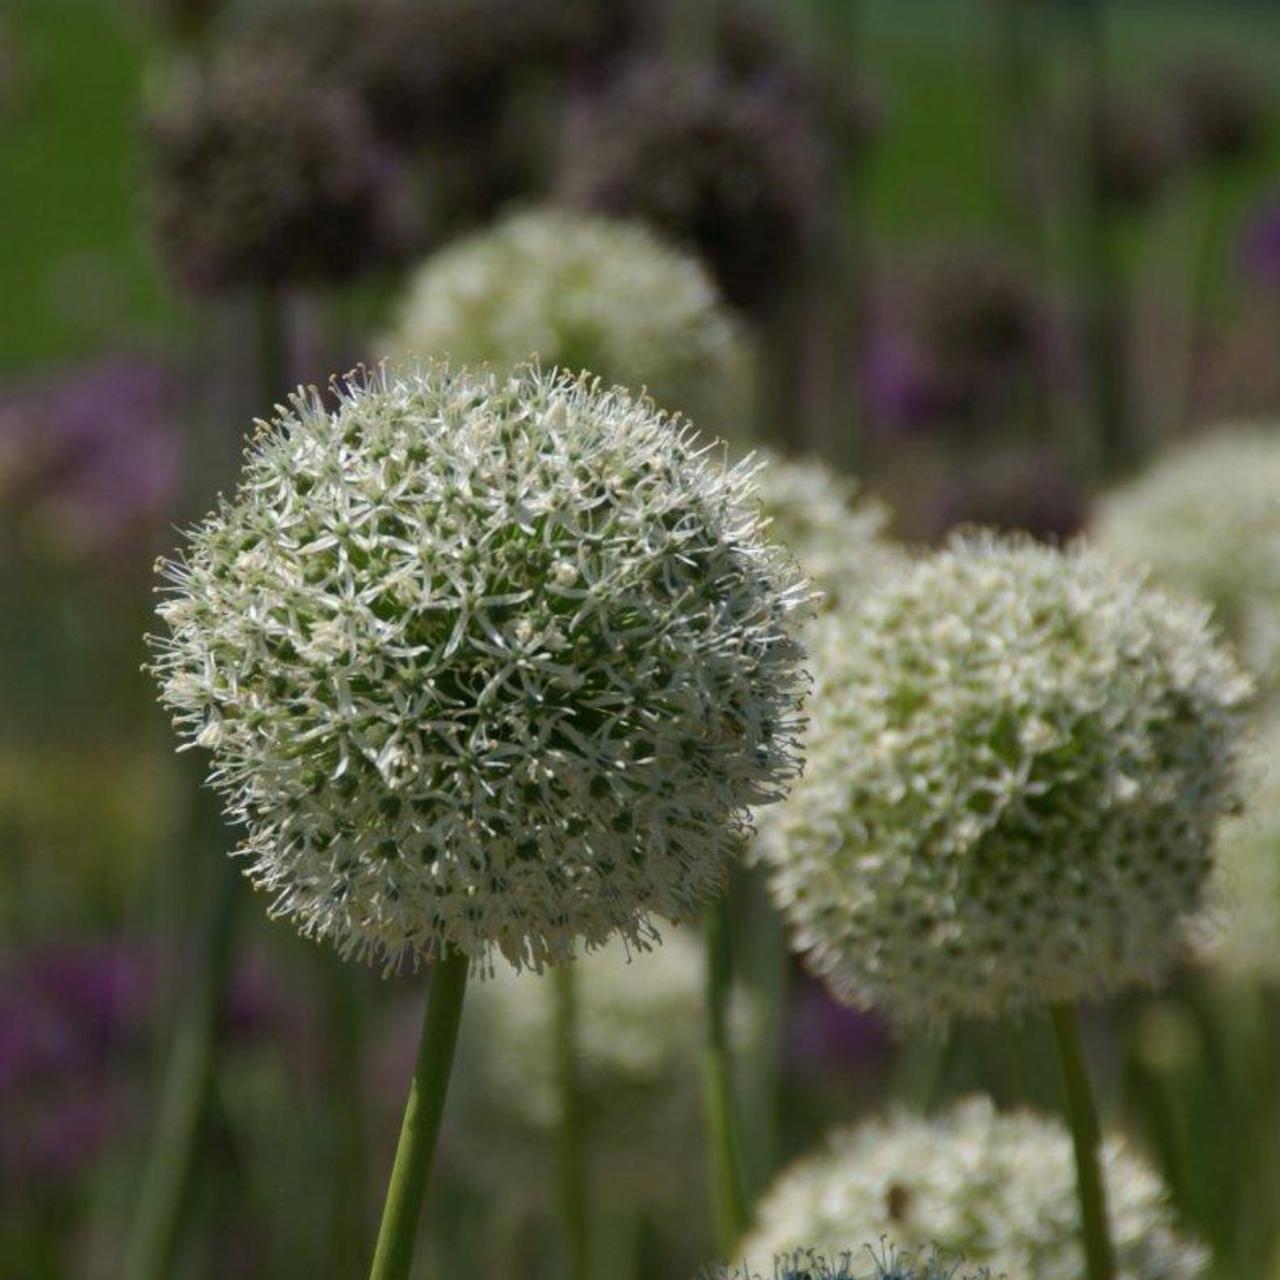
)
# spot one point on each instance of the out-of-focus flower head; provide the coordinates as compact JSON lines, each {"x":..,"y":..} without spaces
{"x":427,"y":72}
{"x":1016,"y":492}
{"x":1261,"y":247}
{"x":184,"y":21}
{"x":974,"y":307}
{"x":888,"y":1262}
{"x":996,"y":1189}
{"x":89,"y":458}
{"x":640,"y":1037}
{"x":262,"y":175}
{"x":1205,"y":518}
{"x":67,"y":1015}
{"x":838,"y":534}
{"x":1137,"y":148}
{"x":580,"y":293}
{"x":1017,"y":762}
{"x":825,"y":1040}
{"x":1242,"y":935}
{"x":904,"y":388}
{"x":732,"y":171}
{"x":1224,"y":107}
{"x":486,"y":662}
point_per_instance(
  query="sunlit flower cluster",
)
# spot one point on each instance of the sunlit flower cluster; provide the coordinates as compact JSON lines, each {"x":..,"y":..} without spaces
{"x":485,"y":662}
{"x":582,"y":293}
{"x":1242,"y":935}
{"x":1206,"y":519}
{"x":1017,"y":762}
{"x":640,"y":1031}
{"x":839,"y":535}
{"x":996,"y":1189}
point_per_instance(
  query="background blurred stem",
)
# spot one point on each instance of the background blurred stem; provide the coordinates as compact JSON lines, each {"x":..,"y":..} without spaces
{"x":1086,"y":1139}
{"x":171,"y":1163}
{"x":169,"y":1175}
{"x":729,"y":1204}
{"x":424,"y":1109}
{"x":344,"y":1008}
{"x":1105,"y":326}
{"x":572,"y":1165}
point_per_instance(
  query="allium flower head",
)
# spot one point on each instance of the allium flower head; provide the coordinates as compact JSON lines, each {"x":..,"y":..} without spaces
{"x":1224,"y":107}
{"x":425,"y":72}
{"x":1243,"y":933}
{"x":886,"y":1263}
{"x":485,"y":662}
{"x":581,"y":293}
{"x":1017,"y":761}
{"x":1137,"y":148}
{"x":640,"y":1035}
{"x":262,"y":176}
{"x":1206,"y":519}
{"x":839,"y":535}
{"x":729,"y":170}
{"x":997,"y":1190}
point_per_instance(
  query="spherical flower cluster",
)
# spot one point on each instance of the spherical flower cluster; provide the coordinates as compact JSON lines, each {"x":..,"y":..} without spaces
{"x":996,"y":1189}
{"x":1137,"y":148}
{"x":839,"y":535}
{"x":1242,"y":937}
{"x":886,"y":1263}
{"x":729,"y":170}
{"x":261,"y":176}
{"x":1017,"y":762}
{"x":1206,"y":519}
{"x":425,"y":72}
{"x":485,"y":662}
{"x":582,"y":293}
{"x":1225,"y":108}
{"x":640,"y":1034}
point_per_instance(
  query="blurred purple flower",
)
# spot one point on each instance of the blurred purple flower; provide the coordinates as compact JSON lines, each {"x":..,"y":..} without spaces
{"x":902,"y":387}
{"x":89,"y":459}
{"x":1031,"y":491}
{"x":1261,"y":255}
{"x":68,"y":1009}
{"x":824,"y":1037}
{"x":68,"y":1016}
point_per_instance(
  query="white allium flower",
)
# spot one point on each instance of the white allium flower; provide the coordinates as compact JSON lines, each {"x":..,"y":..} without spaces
{"x":997,"y":1189}
{"x":839,"y":535}
{"x":1243,"y":937}
{"x":1017,"y":761}
{"x":641,"y":1029}
{"x":1206,"y":519}
{"x":885,"y":1262}
{"x":485,"y":662}
{"x":581,"y":293}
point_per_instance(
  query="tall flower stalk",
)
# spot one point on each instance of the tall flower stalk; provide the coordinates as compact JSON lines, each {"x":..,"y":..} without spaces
{"x":728,"y":1194}
{"x":1086,"y":1139}
{"x":453,"y":598}
{"x":423,"y":1113}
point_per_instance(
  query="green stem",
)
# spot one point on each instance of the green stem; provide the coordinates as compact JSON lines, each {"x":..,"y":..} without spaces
{"x":423,"y":1112}
{"x":573,"y":1169}
{"x":344,"y":1010}
{"x":729,"y":1201}
{"x":169,"y":1174}
{"x":1086,"y":1138}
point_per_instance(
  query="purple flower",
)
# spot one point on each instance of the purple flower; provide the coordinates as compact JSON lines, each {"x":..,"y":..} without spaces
{"x":1261,"y":256}
{"x":824,"y":1037}
{"x":69,"y":1016}
{"x":89,"y":458}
